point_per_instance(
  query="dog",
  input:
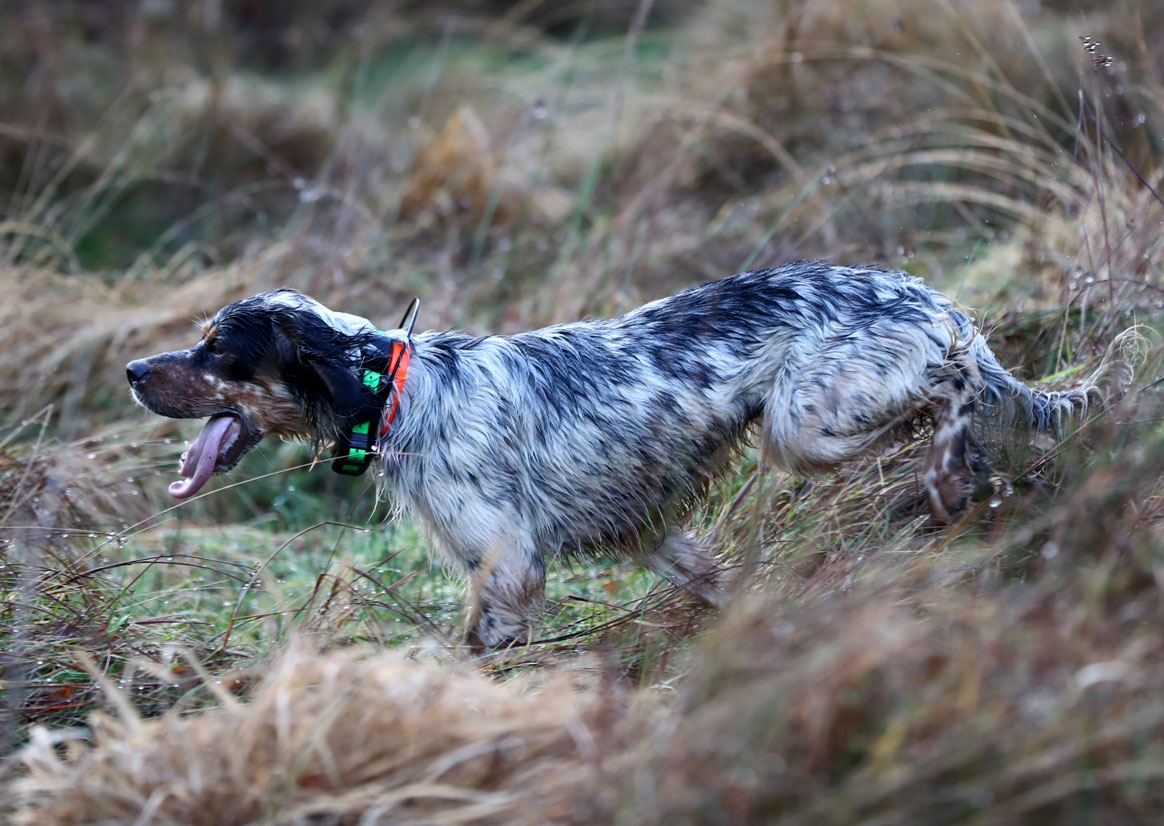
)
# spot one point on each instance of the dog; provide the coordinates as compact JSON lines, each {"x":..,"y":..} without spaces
{"x":599,"y":435}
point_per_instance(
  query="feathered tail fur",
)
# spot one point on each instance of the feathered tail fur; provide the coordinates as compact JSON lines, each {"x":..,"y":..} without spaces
{"x":1004,"y":395}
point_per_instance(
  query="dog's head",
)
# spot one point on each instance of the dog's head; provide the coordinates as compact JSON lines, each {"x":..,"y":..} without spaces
{"x":278,"y":363}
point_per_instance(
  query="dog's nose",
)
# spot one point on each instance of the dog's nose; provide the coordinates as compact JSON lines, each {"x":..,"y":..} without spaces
{"x":135,"y":371}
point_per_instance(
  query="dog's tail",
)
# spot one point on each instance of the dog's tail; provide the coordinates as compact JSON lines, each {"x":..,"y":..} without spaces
{"x":1004,"y":395}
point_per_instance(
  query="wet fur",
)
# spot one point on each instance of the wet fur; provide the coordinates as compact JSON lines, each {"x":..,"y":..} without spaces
{"x":599,"y":435}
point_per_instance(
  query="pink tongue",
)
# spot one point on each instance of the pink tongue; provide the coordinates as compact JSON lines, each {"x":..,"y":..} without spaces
{"x":202,"y":456}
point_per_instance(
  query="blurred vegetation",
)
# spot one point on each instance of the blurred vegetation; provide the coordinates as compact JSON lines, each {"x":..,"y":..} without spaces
{"x":517,"y":164}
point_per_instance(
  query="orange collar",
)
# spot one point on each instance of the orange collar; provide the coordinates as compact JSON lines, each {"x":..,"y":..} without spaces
{"x":398,"y":359}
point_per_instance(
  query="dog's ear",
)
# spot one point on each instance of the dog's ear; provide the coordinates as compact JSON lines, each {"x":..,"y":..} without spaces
{"x":324,"y":364}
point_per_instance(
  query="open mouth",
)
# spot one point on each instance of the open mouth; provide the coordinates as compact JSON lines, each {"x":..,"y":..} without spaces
{"x":217,"y":449}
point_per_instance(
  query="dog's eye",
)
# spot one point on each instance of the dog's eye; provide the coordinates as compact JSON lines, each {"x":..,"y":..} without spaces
{"x":212,"y":347}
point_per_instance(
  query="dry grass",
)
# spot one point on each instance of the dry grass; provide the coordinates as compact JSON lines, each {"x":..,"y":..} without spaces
{"x":533,"y":165}
{"x":334,"y":739}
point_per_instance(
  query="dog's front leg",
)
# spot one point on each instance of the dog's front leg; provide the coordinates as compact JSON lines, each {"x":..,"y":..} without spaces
{"x":507,"y":586}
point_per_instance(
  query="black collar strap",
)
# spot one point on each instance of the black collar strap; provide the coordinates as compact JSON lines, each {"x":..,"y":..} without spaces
{"x":355,"y":449}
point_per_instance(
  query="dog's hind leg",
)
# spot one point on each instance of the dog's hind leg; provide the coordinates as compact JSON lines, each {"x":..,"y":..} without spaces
{"x":955,"y":468}
{"x":506,"y":594}
{"x":685,"y":562}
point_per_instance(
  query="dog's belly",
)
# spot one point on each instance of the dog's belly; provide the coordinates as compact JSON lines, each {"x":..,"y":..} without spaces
{"x":631,"y":495}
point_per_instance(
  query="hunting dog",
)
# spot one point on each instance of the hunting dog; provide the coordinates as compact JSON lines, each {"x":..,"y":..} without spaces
{"x":599,"y":435}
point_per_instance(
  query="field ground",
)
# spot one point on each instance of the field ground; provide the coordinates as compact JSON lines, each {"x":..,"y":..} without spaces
{"x":280,"y":650}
